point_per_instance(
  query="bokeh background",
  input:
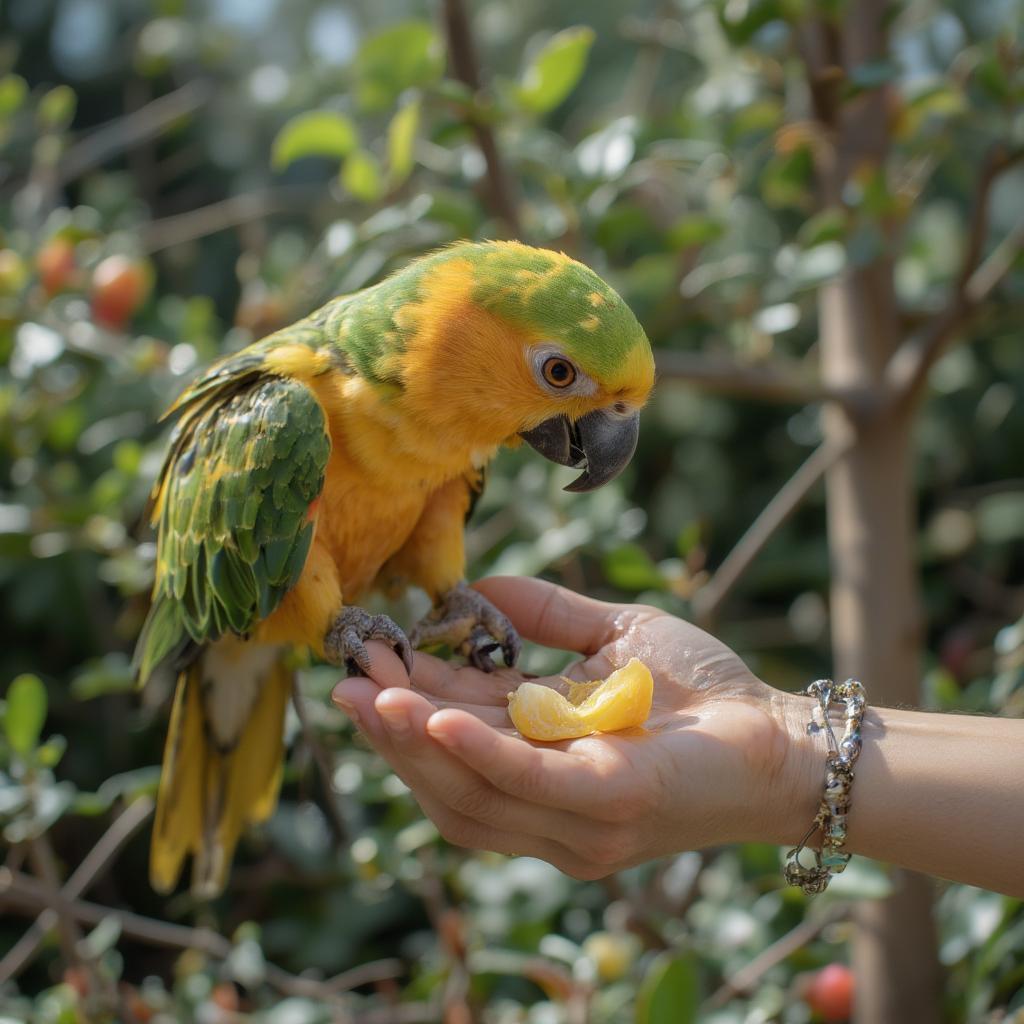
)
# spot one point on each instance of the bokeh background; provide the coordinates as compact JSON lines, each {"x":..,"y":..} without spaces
{"x":179,"y":178}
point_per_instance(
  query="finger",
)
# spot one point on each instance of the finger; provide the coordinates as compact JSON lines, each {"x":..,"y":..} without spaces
{"x":551,"y":615}
{"x":386,"y":668}
{"x":546,"y":776}
{"x":434,"y":770}
{"x":462,"y":683}
{"x":464,"y":832}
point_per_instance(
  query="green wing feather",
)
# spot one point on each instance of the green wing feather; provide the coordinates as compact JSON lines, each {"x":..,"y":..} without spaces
{"x":246,"y":461}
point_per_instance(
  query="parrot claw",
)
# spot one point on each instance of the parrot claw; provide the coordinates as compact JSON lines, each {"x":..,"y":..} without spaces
{"x":345,"y":640}
{"x":467,"y":621}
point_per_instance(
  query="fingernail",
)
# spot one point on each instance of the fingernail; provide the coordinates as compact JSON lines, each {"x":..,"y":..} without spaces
{"x":396,"y":720}
{"x":349,"y":709}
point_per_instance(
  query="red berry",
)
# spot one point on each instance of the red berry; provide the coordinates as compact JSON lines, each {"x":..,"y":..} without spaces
{"x":830,"y":993}
{"x":119,"y":288}
{"x":225,"y":996}
{"x":56,"y":265}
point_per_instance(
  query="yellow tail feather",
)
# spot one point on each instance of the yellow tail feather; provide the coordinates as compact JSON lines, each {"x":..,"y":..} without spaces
{"x":222,"y":762}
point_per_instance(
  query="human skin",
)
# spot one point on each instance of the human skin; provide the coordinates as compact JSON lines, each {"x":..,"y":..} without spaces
{"x":723,"y":758}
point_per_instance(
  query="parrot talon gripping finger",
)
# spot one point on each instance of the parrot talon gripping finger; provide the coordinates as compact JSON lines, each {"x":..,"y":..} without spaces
{"x":467,"y":621}
{"x":345,"y":640}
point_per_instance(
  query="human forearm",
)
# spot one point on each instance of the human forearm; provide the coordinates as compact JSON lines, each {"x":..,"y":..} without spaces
{"x":934,"y":792}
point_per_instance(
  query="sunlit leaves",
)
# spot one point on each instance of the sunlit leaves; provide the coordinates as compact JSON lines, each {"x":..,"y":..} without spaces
{"x":57,"y":108}
{"x":401,"y":139}
{"x":670,"y":992}
{"x":13,"y":91}
{"x":397,"y":58}
{"x":25,"y":713}
{"x":361,"y":176}
{"x":324,"y":133}
{"x":553,"y":74}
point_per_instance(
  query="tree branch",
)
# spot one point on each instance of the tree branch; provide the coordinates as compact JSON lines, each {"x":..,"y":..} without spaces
{"x":766,"y":381}
{"x":95,"y":864}
{"x":709,"y":598}
{"x":907,"y":370}
{"x":26,"y":893}
{"x":747,"y":977}
{"x":334,"y":818}
{"x":226,"y":213}
{"x":462,"y":55}
{"x":132,"y":129}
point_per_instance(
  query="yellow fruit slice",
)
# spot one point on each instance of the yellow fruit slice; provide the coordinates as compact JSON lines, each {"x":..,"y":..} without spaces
{"x":621,"y":701}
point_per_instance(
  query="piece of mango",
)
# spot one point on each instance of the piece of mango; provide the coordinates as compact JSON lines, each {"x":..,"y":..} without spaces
{"x":621,"y":701}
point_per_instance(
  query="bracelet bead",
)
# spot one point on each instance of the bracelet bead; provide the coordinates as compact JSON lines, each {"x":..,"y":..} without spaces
{"x":831,"y":859}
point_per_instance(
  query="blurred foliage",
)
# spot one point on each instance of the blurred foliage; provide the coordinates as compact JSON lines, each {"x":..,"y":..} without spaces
{"x":255,"y":158}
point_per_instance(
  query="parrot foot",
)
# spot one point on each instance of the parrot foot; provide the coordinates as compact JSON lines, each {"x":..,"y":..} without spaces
{"x":344,"y":643}
{"x":469,"y":623}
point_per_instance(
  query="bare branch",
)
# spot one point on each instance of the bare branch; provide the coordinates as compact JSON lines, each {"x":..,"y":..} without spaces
{"x":747,"y":977}
{"x":334,"y":817}
{"x":462,"y":54}
{"x":44,"y":863}
{"x":227,"y":213}
{"x":95,"y":864}
{"x":766,"y":381}
{"x":26,"y":893}
{"x":709,"y":598}
{"x":132,"y":129}
{"x":907,"y":370}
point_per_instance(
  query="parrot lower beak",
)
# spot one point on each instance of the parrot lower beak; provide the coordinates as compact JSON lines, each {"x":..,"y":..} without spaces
{"x":601,"y":443}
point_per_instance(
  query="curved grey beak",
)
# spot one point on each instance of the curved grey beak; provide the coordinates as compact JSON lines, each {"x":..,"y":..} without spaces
{"x":601,"y":443}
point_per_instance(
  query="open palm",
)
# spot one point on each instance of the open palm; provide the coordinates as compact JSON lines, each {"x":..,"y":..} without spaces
{"x":695,"y":774}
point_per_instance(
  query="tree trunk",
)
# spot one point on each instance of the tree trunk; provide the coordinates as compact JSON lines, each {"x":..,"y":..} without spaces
{"x":876,"y":624}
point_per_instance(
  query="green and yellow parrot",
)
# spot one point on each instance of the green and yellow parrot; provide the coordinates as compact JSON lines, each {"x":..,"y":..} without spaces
{"x":342,"y":454}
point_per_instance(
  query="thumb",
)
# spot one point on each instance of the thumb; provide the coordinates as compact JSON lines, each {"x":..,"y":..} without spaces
{"x":551,"y":615}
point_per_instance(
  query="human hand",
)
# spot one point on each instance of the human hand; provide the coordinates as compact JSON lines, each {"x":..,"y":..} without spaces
{"x":711,"y":764}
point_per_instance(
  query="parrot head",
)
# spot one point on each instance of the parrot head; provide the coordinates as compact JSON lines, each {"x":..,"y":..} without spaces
{"x":513,"y":343}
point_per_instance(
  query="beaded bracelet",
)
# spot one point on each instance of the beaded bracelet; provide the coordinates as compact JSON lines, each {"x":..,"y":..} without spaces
{"x":835,"y":803}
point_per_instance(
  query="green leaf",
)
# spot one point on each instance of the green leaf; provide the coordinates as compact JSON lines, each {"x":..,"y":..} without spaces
{"x":401,"y":138}
{"x":829,"y":225}
{"x":26,"y":713}
{"x":787,"y":178}
{"x":670,"y":991}
{"x":631,"y":568}
{"x":110,"y":674}
{"x":401,"y":57}
{"x":48,"y":754}
{"x":554,"y":72}
{"x":57,"y":108}
{"x":13,"y":91}
{"x":361,"y":175}
{"x":694,"y":230}
{"x":316,"y":133}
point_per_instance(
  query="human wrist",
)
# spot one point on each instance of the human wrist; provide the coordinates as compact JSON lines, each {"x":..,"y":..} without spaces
{"x":792,"y":792}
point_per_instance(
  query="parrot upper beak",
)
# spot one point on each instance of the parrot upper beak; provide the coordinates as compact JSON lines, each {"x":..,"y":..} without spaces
{"x":602,"y":443}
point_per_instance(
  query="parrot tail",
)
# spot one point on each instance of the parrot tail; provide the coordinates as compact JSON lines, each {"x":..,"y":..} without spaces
{"x":222,"y":761}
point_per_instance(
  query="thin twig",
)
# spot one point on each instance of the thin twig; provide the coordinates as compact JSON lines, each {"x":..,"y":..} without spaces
{"x":902,"y":382}
{"x":44,"y":863}
{"x":226,"y":213}
{"x":96,"y":862}
{"x":768,"y":382}
{"x":464,"y":65}
{"x":746,"y":977}
{"x":335,"y":821}
{"x":132,"y":129}
{"x":26,"y":893}
{"x":709,"y":598}
{"x":907,"y":370}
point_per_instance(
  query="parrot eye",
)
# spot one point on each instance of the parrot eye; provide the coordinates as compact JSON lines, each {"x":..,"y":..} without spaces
{"x":558,"y":372}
